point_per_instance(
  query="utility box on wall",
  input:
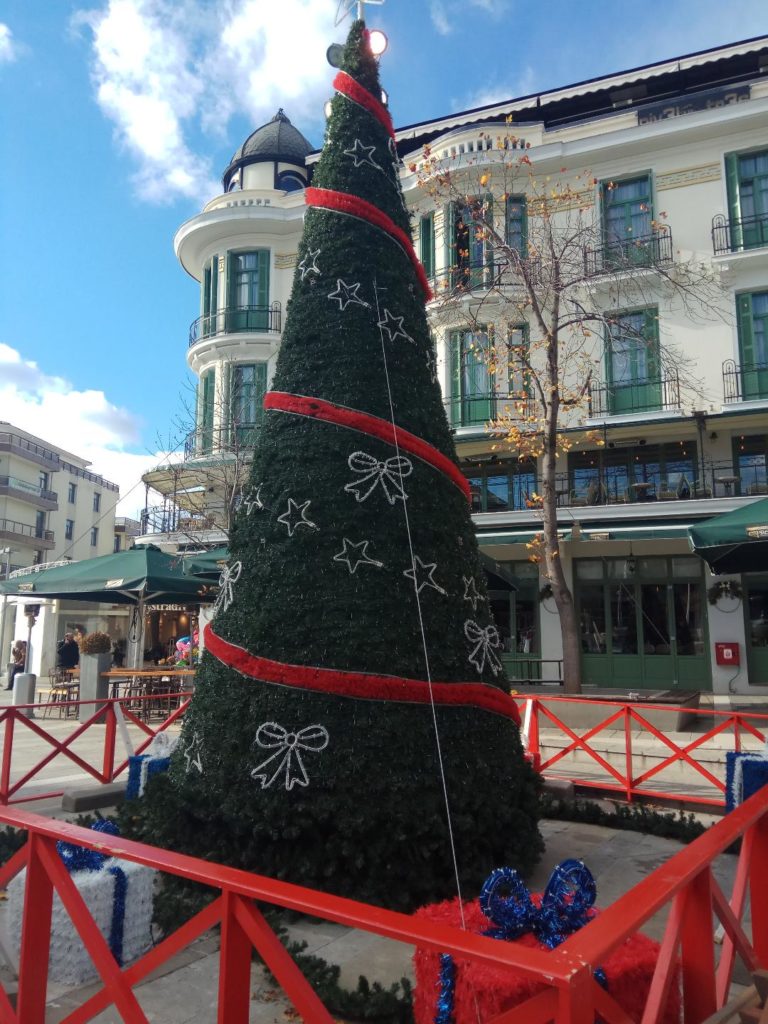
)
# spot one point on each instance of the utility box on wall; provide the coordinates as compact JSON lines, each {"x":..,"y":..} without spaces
{"x":727,"y":655}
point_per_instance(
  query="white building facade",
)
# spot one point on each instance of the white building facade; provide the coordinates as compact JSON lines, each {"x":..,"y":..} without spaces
{"x":672,"y":165}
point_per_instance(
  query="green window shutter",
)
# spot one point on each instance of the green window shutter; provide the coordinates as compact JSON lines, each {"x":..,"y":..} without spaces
{"x":455,"y":344}
{"x":263,"y":285}
{"x":213,"y":302}
{"x":746,"y":334}
{"x":208,"y":399}
{"x":488,"y":217}
{"x":205,"y":293}
{"x":427,"y":243}
{"x":735,"y":234}
{"x":651,"y":336}
{"x":449,"y":245}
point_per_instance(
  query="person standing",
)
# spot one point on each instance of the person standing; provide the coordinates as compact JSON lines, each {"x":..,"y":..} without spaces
{"x":18,"y":657}
{"x":67,"y":653}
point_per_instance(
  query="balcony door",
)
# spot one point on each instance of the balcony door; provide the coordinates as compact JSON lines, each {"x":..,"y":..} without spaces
{"x":627,"y":217}
{"x":472,"y":400}
{"x":632,"y":359}
{"x":747,"y":178}
{"x":249,"y":383}
{"x":248,"y":291}
{"x":752,"y":317}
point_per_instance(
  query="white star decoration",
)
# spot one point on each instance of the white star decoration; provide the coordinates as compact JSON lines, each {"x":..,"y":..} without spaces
{"x":359,"y":148}
{"x":355,"y":554}
{"x":393,"y":325}
{"x":296,"y":516}
{"x":346,"y":294}
{"x":422,"y":574}
{"x":310,"y":258}
{"x":192,"y":754}
{"x":253,"y":501}
{"x":470,"y":591}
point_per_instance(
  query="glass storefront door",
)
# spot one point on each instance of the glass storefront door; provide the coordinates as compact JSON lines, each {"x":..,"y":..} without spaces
{"x":756,"y":611}
{"x":643,"y":622}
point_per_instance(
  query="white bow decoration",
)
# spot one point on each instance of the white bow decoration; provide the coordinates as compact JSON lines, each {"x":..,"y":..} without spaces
{"x":287,"y":757}
{"x":389,"y":474}
{"x":485,"y":640}
{"x":229,"y":576}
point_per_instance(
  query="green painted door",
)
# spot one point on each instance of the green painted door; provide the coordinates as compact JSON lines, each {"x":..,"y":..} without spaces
{"x":756,"y":612}
{"x":627,"y":217}
{"x":248,"y":291}
{"x":752,"y":319}
{"x":472,"y":402}
{"x":753,"y":198}
{"x":633,"y":363}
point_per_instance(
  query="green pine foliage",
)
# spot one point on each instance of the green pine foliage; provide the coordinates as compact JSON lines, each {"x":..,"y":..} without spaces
{"x":371,"y":822}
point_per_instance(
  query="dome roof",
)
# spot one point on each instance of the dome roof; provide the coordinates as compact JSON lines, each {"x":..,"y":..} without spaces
{"x":275,"y":140}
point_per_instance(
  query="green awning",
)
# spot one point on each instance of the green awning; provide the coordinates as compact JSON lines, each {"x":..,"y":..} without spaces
{"x":660,"y":531}
{"x":734,"y":541}
{"x":492,"y":540}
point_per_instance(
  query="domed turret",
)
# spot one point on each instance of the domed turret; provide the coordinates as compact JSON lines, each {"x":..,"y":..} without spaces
{"x":278,"y":144}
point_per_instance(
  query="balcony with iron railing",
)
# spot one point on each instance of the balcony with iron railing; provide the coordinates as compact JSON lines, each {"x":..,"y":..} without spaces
{"x":479,"y":409}
{"x":171,"y":519}
{"x":29,"y":536}
{"x":634,"y":483}
{"x":15,"y":444}
{"x":739,"y":234}
{"x":643,"y":252}
{"x":233,"y":441}
{"x":747,"y":382}
{"x":40,"y":497}
{"x":237,"y":320}
{"x":651,"y":394}
{"x":473,"y":275}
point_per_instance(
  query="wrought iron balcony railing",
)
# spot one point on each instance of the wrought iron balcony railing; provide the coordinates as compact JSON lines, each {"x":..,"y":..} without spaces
{"x":480,"y":276}
{"x":626,"y":254}
{"x":234,"y":440}
{"x":744,"y":383}
{"x":478,"y":409}
{"x":236,"y":320}
{"x":33,"y":536}
{"x":739,"y":234}
{"x":25,"y":447}
{"x":654,"y":394}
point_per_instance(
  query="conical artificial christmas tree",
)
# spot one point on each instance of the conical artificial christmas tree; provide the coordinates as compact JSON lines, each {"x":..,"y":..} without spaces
{"x":351,"y":728}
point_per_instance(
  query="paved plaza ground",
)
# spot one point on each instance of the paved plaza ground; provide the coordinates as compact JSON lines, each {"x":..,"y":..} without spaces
{"x":185,"y":990}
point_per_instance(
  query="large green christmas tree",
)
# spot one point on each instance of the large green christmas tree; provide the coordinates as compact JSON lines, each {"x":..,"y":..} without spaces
{"x":351,"y":701}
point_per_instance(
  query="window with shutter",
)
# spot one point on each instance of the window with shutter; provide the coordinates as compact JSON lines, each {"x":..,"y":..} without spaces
{"x":632,"y":362}
{"x":427,"y":244}
{"x":472,"y":395}
{"x":248,"y":385}
{"x":752,"y":322}
{"x":627,"y":218}
{"x":248,"y":290}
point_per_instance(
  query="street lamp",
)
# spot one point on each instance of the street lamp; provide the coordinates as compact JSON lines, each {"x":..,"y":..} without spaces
{"x":6,"y":553}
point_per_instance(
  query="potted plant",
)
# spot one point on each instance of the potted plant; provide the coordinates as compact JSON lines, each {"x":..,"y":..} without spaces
{"x":95,"y":660}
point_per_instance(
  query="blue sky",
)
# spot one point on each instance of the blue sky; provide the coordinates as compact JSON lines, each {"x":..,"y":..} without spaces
{"x":118,"y":117}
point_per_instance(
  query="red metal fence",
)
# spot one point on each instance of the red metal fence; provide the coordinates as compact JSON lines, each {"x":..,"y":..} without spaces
{"x":685,"y":886}
{"x":624,"y":720}
{"x":103,"y":723}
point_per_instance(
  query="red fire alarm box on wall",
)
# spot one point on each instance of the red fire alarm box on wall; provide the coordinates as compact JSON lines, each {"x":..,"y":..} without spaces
{"x":727,"y":654}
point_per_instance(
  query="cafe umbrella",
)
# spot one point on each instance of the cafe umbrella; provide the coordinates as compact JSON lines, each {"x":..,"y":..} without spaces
{"x":734,"y":542}
{"x":140,"y":576}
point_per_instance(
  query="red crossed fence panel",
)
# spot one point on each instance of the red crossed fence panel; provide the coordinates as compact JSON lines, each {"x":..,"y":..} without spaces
{"x":102,"y":723}
{"x":548,"y":713}
{"x":570,"y":995}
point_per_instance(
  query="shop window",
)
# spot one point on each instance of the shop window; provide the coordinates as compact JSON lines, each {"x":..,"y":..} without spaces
{"x":503,"y":487}
{"x":593,"y":619}
{"x":751,"y":462}
{"x":752,"y":321}
{"x":651,"y":473}
{"x":747,"y":182}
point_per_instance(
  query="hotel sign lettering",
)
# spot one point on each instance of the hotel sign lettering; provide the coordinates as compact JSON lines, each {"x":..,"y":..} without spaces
{"x":709,"y":100}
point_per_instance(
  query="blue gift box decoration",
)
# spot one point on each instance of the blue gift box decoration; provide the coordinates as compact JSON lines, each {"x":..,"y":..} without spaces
{"x":141,"y":767}
{"x":79,"y":858}
{"x":745,"y":773}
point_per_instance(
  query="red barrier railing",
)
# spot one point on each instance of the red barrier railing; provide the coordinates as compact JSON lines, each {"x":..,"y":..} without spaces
{"x":546,"y":712}
{"x":569,"y":993}
{"x":103,"y":722}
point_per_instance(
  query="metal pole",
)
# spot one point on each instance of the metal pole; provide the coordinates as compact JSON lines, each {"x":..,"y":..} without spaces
{"x":6,"y":574}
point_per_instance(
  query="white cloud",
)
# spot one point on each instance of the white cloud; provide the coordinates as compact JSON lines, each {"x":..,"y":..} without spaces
{"x":449,"y":14}
{"x":84,"y":423}
{"x":166,"y":69}
{"x":502,"y":89}
{"x":439,"y":15}
{"x":8,"y":48}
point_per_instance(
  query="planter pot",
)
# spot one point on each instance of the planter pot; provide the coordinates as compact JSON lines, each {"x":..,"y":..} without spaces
{"x":92,"y":686}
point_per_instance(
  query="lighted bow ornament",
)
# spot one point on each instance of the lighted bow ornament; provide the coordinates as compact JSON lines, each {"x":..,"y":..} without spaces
{"x":229,"y":576}
{"x":485,"y":641}
{"x":389,"y":474}
{"x":287,"y":759}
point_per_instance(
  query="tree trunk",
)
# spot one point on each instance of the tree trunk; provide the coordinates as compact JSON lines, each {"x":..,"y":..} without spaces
{"x":554,"y":569}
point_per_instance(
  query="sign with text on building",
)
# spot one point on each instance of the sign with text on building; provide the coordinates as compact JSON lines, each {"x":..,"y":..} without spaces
{"x":709,"y":100}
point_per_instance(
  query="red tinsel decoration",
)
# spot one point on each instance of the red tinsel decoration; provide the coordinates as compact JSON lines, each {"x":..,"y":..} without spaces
{"x":348,"y":87}
{"x":303,"y":405}
{"x":360,"y":684}
{"x":490,"y":991}
{"x":343,"y":202}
